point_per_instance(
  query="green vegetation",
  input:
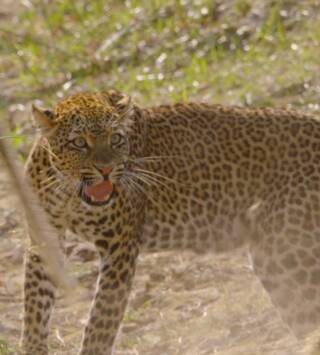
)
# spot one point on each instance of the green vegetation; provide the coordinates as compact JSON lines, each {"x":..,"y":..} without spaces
{"x":236,"y":52}
{"x":5,"y":349}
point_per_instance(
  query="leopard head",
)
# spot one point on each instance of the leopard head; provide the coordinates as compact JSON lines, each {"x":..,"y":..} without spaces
{"x":91,"y":139}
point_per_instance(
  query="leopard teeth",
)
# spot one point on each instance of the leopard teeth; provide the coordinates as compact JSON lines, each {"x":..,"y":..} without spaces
{"x":94,"y":199}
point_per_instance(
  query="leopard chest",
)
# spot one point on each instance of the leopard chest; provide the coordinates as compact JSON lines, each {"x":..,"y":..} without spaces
{"x":93,"y":222}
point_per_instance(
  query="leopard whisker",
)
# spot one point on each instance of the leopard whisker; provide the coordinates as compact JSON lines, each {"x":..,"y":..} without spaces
{"x":152,"y":181}
{"x":50,"y":152}
{"x":142,"y":190}
{"x":141,"y":178}
{"x":152,"y":173}
{"x":49,"y":185}
{"x":50,"y":178}
{"x":48,"y":170}
{"x":157,"y":157}
{"x":73,"y":194}
{"x":152,"y":159}
{"x":60,"y":187}
{"x":128,"y":186}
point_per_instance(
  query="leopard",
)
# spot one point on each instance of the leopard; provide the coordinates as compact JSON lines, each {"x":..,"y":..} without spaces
{"x":184,"y":176}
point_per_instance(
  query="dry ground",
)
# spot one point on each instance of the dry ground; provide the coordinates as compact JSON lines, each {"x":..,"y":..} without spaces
{"x":181,"y":304}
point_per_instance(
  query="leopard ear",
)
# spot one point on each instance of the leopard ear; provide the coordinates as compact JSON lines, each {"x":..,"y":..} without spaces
{"x":122,"y":103}
{"x":43,"y":118}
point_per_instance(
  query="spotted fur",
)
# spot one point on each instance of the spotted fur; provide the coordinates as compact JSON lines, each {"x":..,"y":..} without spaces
{"x":187,"y":176}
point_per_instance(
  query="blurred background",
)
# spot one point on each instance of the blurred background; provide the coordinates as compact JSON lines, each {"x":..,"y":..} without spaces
{"x":234,"y":52}
{"x":243,"y":52}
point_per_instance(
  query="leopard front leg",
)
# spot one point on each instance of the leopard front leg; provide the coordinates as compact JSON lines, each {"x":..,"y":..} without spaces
{"x":39,"y":295}
{"x":117,"y":266}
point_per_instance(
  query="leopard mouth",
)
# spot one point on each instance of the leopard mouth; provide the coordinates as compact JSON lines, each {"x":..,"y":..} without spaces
{"x":97,"y":194}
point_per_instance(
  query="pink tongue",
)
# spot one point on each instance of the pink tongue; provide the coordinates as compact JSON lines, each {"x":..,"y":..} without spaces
{"x":99,"y":191}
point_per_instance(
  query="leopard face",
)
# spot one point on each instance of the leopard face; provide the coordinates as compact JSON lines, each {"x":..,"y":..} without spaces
{"x":91,"y":139}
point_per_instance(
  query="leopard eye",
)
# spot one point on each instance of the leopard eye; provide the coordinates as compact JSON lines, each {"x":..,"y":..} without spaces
{"x":79,"y":142}
{"x":116,"y":139}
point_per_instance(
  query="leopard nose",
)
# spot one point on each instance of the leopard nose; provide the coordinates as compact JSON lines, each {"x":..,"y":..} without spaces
{"x":104,"y":170}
